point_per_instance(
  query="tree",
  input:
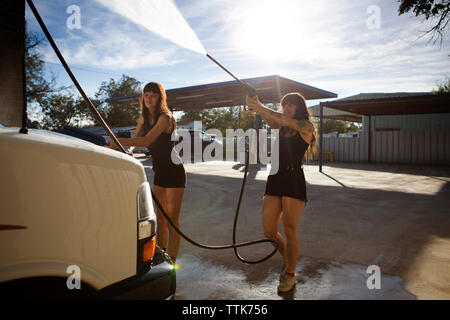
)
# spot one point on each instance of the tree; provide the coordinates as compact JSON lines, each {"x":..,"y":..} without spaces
{"x":220,"y":118}
{"x":443,"y":87}
{"x":192,"y":115}
{"x":118,"y":115}
{"x":61,"y":109}
{"x":331,"y":125}
{"x":236,"y":117}
{"x":58,"y":106}
{"x":40,"y":89}
{"x":37,"y":85}
{"x":436,"y":10}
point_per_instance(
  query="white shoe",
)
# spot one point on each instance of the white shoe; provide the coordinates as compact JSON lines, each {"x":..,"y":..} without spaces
{"x":287,"y":284}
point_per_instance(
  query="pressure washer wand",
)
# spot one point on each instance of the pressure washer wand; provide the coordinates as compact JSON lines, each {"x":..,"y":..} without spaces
{"x":250,"y":90}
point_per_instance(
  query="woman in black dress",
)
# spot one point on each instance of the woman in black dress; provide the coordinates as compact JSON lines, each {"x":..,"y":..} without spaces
{"x":285,"y":194}
{"x":154,"y":130}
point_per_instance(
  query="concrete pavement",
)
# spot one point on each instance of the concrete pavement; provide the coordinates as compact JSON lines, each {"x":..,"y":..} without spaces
{"x":395,"y":217}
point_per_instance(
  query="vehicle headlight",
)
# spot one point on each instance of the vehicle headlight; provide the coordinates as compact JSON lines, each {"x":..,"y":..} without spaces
{"x":146,"y":228}
{"x":146,"y":213}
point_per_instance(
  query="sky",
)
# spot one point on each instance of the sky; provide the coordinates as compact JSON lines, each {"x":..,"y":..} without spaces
{"x":346,"y":47}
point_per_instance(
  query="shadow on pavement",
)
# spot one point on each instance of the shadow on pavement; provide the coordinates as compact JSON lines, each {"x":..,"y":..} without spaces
{"x":341,"y":224}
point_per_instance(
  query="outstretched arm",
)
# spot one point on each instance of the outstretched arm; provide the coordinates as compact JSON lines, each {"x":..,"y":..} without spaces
{"x":161,"y":125}
{"x":278,"y":118}
{"x":139,"y":126}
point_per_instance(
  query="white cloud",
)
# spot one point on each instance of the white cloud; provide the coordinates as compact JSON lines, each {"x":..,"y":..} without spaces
{"x":109,"y":41}
{"x":323,"y":43}
{"x":106,"y":55}
{"x":335,"y":43}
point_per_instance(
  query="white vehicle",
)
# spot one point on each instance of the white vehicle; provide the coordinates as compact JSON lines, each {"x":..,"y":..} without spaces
{"x":72,"y":210}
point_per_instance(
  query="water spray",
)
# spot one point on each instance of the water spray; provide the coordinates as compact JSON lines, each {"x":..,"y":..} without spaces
{"x":179,"y":31}
{"x":250,"y":91}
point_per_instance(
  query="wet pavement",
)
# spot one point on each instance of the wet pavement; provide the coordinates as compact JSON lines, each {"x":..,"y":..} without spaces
{"x":395,"y":217}
{"x":316,"y":279}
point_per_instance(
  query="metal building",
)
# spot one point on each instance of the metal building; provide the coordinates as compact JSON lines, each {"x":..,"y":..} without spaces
{"x":409,"y":128}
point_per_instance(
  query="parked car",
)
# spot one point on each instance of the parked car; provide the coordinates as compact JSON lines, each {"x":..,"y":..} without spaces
{"x":206,"y":139}
{"x":69,"y":204}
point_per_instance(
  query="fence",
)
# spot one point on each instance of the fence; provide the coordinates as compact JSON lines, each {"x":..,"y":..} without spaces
{"x":406,"y":147}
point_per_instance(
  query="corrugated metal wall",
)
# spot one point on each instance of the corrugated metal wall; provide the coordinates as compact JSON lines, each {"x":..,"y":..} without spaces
{"x":406,"y":147}
{"x":411,"y":122}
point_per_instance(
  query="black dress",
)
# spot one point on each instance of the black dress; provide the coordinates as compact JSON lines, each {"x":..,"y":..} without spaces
{"x":167,"y":173}
{"x":289,"y":180}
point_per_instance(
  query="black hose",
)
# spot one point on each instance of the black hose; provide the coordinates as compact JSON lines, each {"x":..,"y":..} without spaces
{"x":234,"y":245}
{"x":244,"y":179}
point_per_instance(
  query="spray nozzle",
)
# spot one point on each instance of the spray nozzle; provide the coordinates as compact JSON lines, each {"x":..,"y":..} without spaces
{"x":251,"y":92}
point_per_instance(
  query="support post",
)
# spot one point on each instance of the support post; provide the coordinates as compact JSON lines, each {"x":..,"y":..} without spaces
{"x":258,"y":126}
{"x":321,"y":137}
{"x":12,"y":41}
{"x":369,"y":144}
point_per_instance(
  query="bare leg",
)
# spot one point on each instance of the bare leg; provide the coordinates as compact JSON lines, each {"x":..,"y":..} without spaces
{"x":174,"y":202}
{"x":162,"y":231}
{"x":292,"y":209}
{"x":271,"y":220}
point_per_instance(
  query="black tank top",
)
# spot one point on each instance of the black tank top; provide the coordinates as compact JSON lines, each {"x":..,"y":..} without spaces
{"x":161,"y":151}
{"x":292,"y":151}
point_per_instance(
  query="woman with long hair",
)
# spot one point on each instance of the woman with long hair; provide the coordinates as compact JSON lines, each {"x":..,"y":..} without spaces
{"x":154,"y":130}
{"x":285,"y":193}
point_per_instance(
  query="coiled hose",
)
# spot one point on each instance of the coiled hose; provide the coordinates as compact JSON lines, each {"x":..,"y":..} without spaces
{"x":234,"y":245}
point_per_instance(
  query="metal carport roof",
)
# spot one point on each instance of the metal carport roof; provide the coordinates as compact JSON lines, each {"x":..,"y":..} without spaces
{"x":371,"y":104}
{"x":334,"y":114}
{"x":230,"y":93}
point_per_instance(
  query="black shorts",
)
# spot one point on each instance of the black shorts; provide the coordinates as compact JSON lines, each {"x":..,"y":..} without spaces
{"x":287,"y":184}
{"x":175,"y":178}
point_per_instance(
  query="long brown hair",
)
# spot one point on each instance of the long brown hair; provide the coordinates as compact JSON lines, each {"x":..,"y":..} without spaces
{"x":301,"y":113}
{"x":157,"y":88}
